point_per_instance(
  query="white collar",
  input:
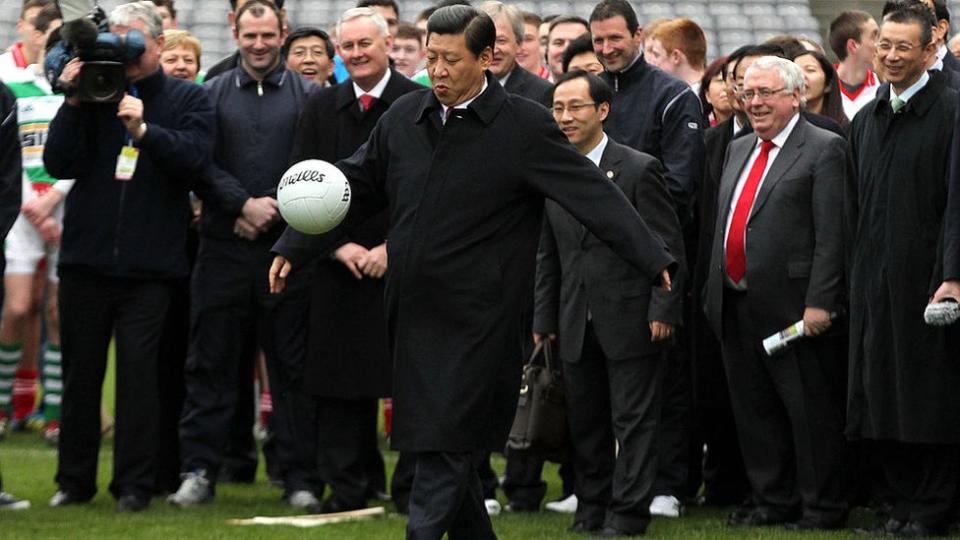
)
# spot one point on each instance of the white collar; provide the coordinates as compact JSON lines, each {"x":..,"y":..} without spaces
{"x":443,"y":112}
{"x":503,"y":81}
{"x":912,"y":91}
{"x":377,"y":90}
{"x":597,"y":152}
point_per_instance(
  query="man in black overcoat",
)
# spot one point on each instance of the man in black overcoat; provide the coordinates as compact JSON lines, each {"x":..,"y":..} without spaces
{"x":463,"y":235}
{"x":348,"y":365}
{"x":903,"y":374}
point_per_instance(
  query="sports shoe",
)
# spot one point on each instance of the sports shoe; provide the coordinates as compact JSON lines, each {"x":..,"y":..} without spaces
{"x":493,"y":507}
{"x":132,"y":503}
{"x":194,"y":490}
{"x":65,"y":498}
{"x":666,"y":506}
{"x":305,"y":500}
{"x":565,"y":506}
{"x":9,"y":502}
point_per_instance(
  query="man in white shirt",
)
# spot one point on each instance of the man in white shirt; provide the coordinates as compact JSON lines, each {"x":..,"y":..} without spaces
{"x":853,"y":38}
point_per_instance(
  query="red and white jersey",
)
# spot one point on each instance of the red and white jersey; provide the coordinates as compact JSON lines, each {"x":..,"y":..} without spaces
{"x":854,"y":101}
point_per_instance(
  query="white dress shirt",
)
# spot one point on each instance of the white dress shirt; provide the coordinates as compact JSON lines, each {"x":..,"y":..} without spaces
{"x":376,"y":91}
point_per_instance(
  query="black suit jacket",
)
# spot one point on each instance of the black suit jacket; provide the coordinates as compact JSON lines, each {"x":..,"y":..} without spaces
{"x":523,"y":83}
{"x":794,"y":239}
{"x":577,"y":272}
{"x":466,"y":201}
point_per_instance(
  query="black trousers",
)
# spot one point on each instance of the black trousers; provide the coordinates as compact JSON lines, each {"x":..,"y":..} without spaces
{"x":789,"y":411}
{"x":94,"y":308}
{"x":447,"y":497}
{"x":608,"y":401}
{"x":523,"y":480}
{"x":923,"y":480}
{"x":173,"y":356}
{"x":401,"y":482}
{"x":676,"y":417}
{"x":333,"y":436}
{"x":230,"y":303}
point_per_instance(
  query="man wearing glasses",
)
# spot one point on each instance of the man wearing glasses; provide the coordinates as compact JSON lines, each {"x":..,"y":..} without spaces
{"x":903,"y":373}
{"x":777,"y":259}
{"x":614,"y":326}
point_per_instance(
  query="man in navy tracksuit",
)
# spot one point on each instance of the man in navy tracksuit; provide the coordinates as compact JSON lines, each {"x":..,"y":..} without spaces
{"x":124,"y":245}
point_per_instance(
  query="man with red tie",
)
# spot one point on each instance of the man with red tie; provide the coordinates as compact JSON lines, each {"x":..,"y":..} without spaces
{"x":777,"y":259}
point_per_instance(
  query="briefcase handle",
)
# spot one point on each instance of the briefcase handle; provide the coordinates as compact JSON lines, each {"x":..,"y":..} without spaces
{"x":543,"y":349}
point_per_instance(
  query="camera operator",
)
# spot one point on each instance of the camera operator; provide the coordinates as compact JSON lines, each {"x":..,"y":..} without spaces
{"x":123,"y":246}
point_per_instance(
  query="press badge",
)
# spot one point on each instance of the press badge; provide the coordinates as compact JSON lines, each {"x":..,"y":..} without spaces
{"x":127,"y":163}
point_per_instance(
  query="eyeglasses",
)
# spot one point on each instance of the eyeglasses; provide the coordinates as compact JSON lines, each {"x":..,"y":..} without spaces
{"x":902,"y":48}
{"x":574,"y":108}
{"x":747,"y":96}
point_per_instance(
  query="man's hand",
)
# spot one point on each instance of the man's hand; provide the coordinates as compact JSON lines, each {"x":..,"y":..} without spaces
{"x":374,"y":264}
{"x":948,"y":290}
{"x":665,"y":280}
{"x":351,"y":255}
{"x":261,"y":212}
{"x":244,"y":229}
{"x":50,"y":231}
{"x":537,"y":338}
{"x":130,"y":112}
{"x":279,"y":271}
{"x":660,"y":331}
{"x":815,"y":321}
{"x":39,"y":209}
{"x":68,"y":78}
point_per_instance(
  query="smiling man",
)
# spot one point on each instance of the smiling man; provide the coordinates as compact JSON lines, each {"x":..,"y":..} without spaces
{"x":257,"y":105}
{"x":777,"y":258}
{"x":903,"y":374}
{"x":463,"y":171}
{"x":612,"y":343}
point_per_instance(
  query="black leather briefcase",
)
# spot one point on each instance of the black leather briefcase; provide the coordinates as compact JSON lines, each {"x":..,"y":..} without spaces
{"x":540,"y":425}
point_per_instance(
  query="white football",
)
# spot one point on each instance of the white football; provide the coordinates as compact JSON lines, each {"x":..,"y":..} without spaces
{"x":313,"y":196}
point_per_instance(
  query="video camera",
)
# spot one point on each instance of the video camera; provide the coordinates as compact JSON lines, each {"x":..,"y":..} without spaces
{"x":102,"y":78}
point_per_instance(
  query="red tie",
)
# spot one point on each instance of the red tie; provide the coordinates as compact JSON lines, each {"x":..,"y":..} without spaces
{"x":736,"y":261}
{"x":366,"y":100}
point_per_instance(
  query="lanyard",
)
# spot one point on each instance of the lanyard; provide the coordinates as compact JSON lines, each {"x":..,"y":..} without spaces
{"x":128,"y":138}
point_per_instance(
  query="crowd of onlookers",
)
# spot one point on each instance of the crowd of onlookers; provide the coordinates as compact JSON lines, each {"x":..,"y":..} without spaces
{"x":788,"y":183}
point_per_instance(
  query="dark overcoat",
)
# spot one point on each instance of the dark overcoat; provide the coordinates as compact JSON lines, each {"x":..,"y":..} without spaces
{"x":347,"y":353}
{"x":904,"y":374}
{"x":466,"y":204}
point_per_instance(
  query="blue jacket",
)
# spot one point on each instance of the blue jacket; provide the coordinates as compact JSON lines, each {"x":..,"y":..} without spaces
{"x":136,"y":228}
{"x":658,"y":114}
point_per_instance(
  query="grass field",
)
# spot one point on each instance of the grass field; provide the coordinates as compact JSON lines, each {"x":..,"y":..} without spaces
{"x":29,"y":466}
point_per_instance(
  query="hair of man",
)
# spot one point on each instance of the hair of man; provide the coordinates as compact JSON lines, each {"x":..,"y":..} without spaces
{"x":144,"y":11}
{"x":495,"y":8}
{"x":608,"y":9}
{"x":477,"y":27}
{"x":846,"y":26}
{"x":582,"y":44}
{"x":600,"y":91}
{"x":686,"y":36}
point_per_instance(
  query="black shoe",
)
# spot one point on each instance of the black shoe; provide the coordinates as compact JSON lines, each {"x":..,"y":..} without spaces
{"x":334,"y":505}
{"x":236,"y":476}
{"x":759,"y":518}
{"x":583,"y":527}
{"x":518,"y":507}
{"x":891,"y":527}
{"x":132,"y":503}
{"x":915,"y":529}
{"x":812,"y":524}
{"x":613,"y":532}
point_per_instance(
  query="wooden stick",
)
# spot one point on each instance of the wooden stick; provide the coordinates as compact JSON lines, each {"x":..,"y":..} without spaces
{"x":313,"y":520}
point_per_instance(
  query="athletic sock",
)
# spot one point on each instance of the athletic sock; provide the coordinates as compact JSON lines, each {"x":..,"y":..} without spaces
{"x":9,"y":358}
{"x":266,"y":407}
{"x":24,"y":393}
{"x":52,"y":383}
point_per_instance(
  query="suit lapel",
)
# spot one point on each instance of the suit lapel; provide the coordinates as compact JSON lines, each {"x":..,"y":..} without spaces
{"x":787,"y":156}
{"x":610,"y":166}
{"x":739,"y":155}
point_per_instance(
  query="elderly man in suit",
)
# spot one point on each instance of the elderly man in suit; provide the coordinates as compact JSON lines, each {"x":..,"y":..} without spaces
{"x":776,"y":259}
{"x":462,"y":250}
{"x":612,"y":323}
{"x":348,"y":364}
